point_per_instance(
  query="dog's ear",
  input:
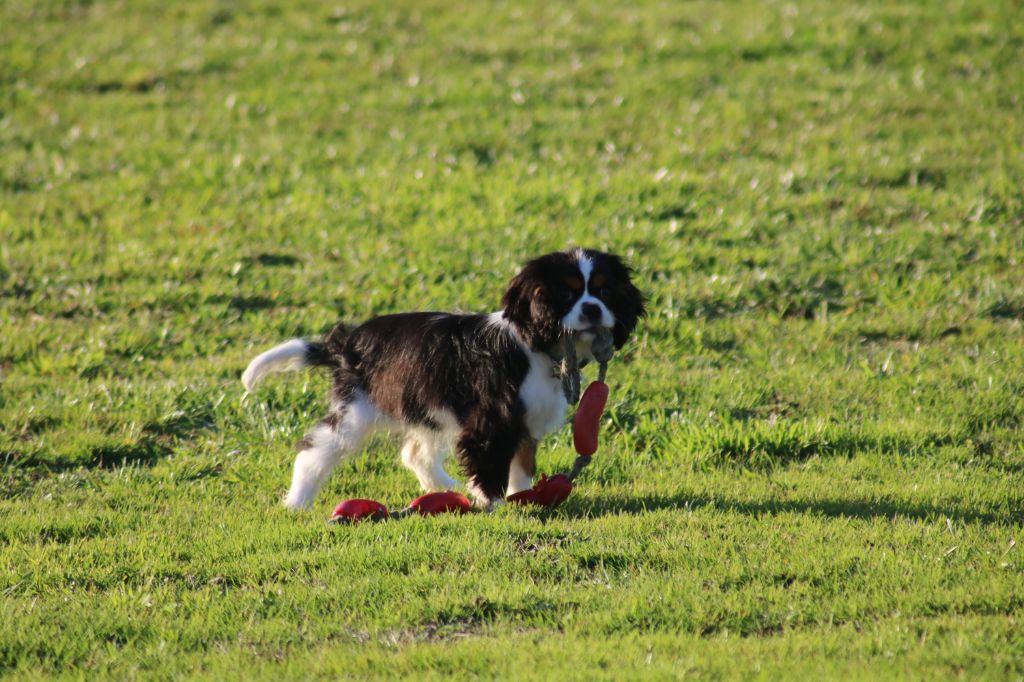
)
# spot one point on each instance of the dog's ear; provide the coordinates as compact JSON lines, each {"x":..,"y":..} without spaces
{"x":528,"y":305}
{"x":631,"y":305}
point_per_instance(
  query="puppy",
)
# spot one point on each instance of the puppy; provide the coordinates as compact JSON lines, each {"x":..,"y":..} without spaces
{"x":483,"y":386}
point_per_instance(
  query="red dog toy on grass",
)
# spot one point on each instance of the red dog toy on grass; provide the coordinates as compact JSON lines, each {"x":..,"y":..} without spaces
{"x":351,"y":511}
{"x":547,"y":492}
{"x":551,"y":492}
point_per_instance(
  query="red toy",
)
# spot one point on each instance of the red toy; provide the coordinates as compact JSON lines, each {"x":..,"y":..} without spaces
{"x":588,"y":418}
{"x":351,"y":511}
{"x":547,"y":492}
{"x":438,"y":503}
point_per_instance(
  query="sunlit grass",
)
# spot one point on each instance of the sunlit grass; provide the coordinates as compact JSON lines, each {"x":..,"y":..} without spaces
{"x":811,"y":463}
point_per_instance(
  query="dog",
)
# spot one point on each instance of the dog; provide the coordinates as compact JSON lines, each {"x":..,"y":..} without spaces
{"x":485,"y":386}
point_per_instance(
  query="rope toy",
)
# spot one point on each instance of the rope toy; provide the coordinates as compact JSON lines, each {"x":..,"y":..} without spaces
{"x":548,"y":491}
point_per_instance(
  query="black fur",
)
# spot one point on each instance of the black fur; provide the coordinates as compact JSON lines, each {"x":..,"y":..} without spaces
{"x":537,"y":299}
{"x":623,"y":298}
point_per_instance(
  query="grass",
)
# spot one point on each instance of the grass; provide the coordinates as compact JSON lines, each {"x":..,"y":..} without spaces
{"x":812,"y":463}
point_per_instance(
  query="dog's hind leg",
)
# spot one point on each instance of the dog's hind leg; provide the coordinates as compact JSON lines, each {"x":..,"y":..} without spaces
{"x":424,"y":455}
{"x":339,"y":435}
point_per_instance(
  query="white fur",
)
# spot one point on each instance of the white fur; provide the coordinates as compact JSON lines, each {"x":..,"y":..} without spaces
{"x":518,"y":479}
{"x":497,"y":319}
{"x":585,"y":265}
{"x":482,"y":501}
{"x":543,"y":398}
{"x":287,"y":356}
{"x":327,"y":446}
{"x":541,"y":392}
{"x":425,"y":451}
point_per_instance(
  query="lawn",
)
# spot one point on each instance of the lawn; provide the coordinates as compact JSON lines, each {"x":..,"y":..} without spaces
{"x":812,"y":464}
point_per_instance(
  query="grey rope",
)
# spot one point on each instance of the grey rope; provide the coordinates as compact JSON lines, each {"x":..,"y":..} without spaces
{"x":568,"y":368}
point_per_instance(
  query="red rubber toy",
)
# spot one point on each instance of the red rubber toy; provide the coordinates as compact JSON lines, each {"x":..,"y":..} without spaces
{"x":438,"y":503}
{"x":588,"y":418}
{"x":548,"y":492}
{"x":351,"y":511}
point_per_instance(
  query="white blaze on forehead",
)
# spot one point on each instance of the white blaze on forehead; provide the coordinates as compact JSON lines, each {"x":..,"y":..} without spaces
{"x":585,"y":266}
{"x":575,"y":319}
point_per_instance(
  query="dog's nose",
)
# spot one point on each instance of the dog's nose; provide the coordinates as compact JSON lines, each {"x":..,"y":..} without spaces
{"x":591,"y":312}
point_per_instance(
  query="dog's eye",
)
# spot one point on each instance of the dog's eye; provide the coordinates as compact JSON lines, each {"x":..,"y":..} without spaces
{"x":604,"y":292}
{"x":568,"y":295}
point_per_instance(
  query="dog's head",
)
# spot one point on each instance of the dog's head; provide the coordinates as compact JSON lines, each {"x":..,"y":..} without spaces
{"x":573,"y":290}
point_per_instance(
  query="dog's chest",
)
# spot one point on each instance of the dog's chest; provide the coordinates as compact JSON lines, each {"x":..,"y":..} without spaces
{"x":542,"y":395}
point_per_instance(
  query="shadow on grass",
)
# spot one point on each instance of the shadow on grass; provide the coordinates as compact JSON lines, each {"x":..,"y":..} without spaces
{"x":182,"y":423}
{"x":143,"y":453}
{"x":244,"y":303}
{"x":275,"y":260}
{"x":157,"y":442}
{"x":834,"y":508}
{"x":755,"y":438}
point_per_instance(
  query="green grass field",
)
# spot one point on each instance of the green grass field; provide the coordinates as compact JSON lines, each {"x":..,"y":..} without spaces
{"x":812,"y":464}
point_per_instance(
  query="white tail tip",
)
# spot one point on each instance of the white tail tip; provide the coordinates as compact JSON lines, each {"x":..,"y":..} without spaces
{"x":288,"y":356}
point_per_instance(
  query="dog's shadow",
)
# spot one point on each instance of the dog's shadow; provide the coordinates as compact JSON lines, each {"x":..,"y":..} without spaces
{"x":851,"y":508}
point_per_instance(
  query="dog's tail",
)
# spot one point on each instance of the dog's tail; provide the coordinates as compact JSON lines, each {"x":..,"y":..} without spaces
{"x":286,"y":357}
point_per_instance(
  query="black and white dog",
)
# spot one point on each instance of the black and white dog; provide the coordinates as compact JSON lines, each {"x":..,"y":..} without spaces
{"x":483,"y":385}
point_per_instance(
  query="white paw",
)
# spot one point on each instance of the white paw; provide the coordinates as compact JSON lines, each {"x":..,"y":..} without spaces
{"x":297,"y":501}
